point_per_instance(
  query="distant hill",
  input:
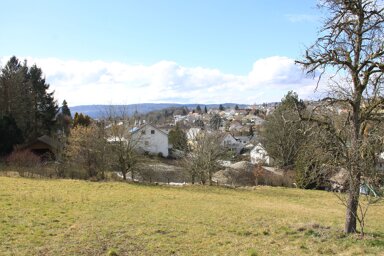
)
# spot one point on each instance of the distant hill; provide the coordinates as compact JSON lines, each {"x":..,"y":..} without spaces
{"x":97,"y":111}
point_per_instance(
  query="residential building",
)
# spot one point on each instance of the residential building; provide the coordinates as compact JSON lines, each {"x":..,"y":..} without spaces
{"x":152,"y":140}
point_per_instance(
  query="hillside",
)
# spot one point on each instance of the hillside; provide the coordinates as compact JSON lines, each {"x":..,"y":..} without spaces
{"x":97,"y":111}
{"x":70,"y":217}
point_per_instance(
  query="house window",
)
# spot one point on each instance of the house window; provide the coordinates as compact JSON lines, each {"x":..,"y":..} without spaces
{"x":152,"y":131}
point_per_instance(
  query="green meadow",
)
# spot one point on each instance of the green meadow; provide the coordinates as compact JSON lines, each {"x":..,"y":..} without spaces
{"x":72,"y":217}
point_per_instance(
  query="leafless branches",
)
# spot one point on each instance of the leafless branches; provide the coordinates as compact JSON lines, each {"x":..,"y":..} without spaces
{"x":351,"y":48}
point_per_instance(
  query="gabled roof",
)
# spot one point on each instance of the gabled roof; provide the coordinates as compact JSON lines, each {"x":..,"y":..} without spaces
{"x":45,"y":139}
{"x":144,"y":125}
{"x":49,"y":141}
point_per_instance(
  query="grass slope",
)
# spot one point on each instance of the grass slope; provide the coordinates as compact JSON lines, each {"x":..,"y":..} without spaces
{"x":66,"y":217}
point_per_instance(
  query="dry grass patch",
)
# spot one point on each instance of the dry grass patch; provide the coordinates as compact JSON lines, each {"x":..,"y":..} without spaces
{"x":69,"y":217}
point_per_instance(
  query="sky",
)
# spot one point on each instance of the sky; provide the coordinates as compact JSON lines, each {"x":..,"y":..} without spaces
{"x":179,"y":51}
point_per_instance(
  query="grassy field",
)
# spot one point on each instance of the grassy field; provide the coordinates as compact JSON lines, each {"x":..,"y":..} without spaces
{"x":66,"y":217}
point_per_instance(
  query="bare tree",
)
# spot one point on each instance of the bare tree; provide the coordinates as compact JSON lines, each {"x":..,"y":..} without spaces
{"x":203,"y":160}
{"x":351,"y":46}
{"x":124,"y":147}
{"x":87,"y":149}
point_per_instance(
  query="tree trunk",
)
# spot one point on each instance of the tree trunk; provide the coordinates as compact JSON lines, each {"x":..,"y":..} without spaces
{"x":124,"y":175}
{"x":352,"y":205}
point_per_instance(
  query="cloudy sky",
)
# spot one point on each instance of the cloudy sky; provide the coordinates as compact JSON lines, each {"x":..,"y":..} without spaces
{"x":136,"y":51}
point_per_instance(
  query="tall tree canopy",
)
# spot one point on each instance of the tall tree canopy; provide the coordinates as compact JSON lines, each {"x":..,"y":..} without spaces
{"x":350,"y":47}
{"x":178,"y":138}
{"x":64,"y":118}
{"x":10,"y":135}
{"x":215,"y":122}
{"x":283,"y":131}
{"x":198,"y":109}
{"x":80,"y":119}
{"x":26,"y":98}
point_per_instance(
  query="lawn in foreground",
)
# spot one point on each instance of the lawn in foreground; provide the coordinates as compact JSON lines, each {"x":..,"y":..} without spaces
{"x":70,"y":217}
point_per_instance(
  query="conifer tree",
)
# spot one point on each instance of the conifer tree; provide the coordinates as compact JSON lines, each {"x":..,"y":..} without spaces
{"x":65,"y":109}
{"x":10,"y":135}
{"x":215,"y":122}
{"x":81,"y":119}
{"x":198,"y":109}
{"x":65,"y":118}
{"x":25,"y":97}
{"x":44,"y":106}
{"x":178,"y":138}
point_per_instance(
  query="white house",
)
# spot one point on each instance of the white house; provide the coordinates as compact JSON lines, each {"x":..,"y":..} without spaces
{"x":151,"y":139}
{"x":260,"y":156}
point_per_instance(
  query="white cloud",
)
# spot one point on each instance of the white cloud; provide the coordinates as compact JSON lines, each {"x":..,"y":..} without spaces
{"x":99,"y":82}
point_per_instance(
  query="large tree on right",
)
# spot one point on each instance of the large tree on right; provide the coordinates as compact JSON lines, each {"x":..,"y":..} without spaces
{"x":351,"y":48}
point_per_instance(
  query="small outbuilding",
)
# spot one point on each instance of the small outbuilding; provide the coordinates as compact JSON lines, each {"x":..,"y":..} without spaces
{"x":45,"y":147}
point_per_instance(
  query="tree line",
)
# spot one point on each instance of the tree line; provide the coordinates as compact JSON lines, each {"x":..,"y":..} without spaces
{"x":27,"y":106}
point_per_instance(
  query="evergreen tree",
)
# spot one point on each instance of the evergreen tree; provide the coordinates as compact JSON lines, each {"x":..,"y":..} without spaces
{"x":10,"y":135}
{"x":282,"y":133}
{"x":178,"y":138}
{"x":15,"y":91}
{"x":25,"y":97}
{"x":215,"y":122}
{"x":82,"y":120}
{"x":65,"y":109}
{"x":64,"y":119}
{"x":44,"y":106}
{"x":198,"y":109}
{"x":205,"y":110}
{"x":221,"y":107}
{"x":75,"y":119}
{"x":237,"y":107}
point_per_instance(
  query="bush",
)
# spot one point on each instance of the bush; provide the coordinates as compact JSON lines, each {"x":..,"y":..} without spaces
{"x":24,"y":161}
{"x":264,"y":177}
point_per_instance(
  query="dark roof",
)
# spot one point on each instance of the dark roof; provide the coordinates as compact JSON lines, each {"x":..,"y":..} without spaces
{"x":53,"y":144}
{"x":49,"y":141}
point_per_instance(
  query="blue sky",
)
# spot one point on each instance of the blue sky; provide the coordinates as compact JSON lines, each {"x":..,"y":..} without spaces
{"x":163,"y":46}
